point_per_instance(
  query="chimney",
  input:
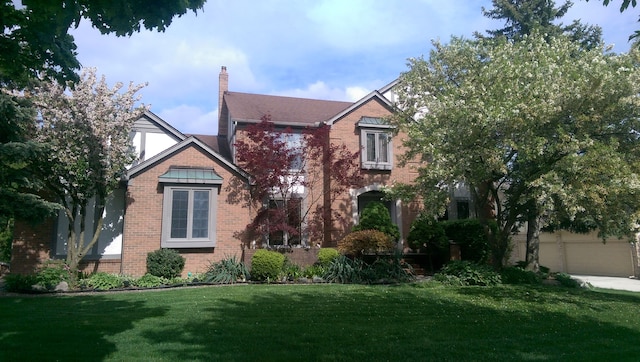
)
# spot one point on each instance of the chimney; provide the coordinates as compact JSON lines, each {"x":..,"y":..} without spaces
{"x":223,"y":86}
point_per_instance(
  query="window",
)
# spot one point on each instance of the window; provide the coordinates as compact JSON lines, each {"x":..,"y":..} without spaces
{"x":285,"y":226}
{"x":189,"y":217}
{"x":462,"y":209}
{"x":375,"y":141}
{"x":294,"y":143}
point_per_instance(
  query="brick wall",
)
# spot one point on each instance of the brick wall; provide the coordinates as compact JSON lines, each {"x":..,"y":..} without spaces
{"x":31,"y":246}
{"x":345,"y":131}
{"x":143,"y":220}
{"x":299,"y":256}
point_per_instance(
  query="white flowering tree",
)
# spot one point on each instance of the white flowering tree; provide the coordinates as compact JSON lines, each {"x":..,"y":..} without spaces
{"x":86,"y":128}
{"x":543,"y":131}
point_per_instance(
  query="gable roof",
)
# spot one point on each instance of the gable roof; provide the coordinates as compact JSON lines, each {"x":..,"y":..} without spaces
{"x":371,"y":96}
{"x":164,"y":126}
{"x":246,"y":107}
{"x":218,"y":144}
{"x":191,"y":141}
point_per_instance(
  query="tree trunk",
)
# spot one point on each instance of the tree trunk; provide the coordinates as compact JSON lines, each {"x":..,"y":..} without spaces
{"x":532,"y":257}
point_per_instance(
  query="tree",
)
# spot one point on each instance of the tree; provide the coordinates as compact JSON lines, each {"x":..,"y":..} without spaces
{"x":523,"y":17}
{"x":543,"y":129}
{"x":34,"y":45}
{"x":86,"y":128}
{"x":295,"y":178}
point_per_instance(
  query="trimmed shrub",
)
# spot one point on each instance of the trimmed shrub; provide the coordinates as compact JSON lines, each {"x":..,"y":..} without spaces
{"x":102,"y":281}
{"x":375,"y":216}
{"x":227,"y":271}
{"x":266,"y":265}
{"x":471,"y":236}
{"x":468,"y":273}
{"x":365,"y":241}
{"x":165,"y":263}
{"x":427,"y":232}
{"x":326,"y":255}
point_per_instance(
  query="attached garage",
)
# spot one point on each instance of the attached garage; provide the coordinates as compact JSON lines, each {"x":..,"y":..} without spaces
{"x":580,"y":254}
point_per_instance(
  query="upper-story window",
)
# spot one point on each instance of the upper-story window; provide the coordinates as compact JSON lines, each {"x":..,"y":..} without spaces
{"x":376,"y":144}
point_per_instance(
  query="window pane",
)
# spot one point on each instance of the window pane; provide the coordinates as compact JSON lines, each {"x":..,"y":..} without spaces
{"x":384,"y":147}
{"x":179,"y":211}
{"x":200,"y":228}
{"x":371,"y":147}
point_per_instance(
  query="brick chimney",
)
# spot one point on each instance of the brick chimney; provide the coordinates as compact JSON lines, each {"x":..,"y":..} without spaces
{"x":223,"y":86}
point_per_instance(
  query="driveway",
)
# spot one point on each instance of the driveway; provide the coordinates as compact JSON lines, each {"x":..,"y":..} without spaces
{"x":629,"y":284}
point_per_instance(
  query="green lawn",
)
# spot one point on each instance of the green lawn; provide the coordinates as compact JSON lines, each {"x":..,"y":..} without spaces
{"x":416,"y":322}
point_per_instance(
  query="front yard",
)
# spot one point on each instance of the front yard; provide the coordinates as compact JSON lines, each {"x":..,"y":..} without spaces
{"x":412,"y":322}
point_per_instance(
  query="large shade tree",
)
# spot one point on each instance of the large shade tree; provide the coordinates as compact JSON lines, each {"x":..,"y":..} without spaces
{"x":86,"y":127}
{"x":539,"y":128}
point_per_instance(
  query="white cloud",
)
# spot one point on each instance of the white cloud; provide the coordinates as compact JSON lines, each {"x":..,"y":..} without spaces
{"x":190,"y":119}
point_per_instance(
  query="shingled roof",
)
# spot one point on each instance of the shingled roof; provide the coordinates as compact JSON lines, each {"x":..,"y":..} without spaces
{"x":283,"y":110}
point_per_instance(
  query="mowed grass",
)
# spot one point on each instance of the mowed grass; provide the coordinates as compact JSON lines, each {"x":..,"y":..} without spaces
{"x":414,"y":322}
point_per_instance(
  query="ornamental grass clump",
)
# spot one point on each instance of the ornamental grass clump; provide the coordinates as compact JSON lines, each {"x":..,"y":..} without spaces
{"x":266,"y":265}
{"x":227,"y":271}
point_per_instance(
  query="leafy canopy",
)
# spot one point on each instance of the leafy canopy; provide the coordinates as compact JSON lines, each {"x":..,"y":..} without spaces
{"x":542,"y":121}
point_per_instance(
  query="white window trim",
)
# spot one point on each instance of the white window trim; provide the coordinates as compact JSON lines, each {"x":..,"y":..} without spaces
{"x":376,"y":165}
{"x":179,"y":243}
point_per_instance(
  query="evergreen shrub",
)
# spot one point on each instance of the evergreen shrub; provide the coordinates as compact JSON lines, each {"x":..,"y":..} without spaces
{"x":326,"y":255}
{"x":375,"y":216}
{"x":266,"y":265}
{"x":165,"y":263}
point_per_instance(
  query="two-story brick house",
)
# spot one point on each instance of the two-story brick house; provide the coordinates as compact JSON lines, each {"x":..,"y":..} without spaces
{"x":177,"y":195}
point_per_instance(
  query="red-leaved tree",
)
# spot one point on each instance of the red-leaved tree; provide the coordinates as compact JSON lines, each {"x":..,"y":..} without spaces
{"x":296,"y":175}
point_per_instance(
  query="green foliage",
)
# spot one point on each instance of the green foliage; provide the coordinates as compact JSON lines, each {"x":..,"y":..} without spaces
{"x":266,"y":265}
{"x":344,"y":270}
{"x":385,"y":269}
{"x":291,"y":272}
{"x":468,"y":273}
{"x":566,"y":280}
{"x":102,"y":281}
{"x":530,"y":114}
{"x":6,"y":238}
{"x":375,"y":216}
{"x":326,"y":255}
{"x":227,"y":271}
{"x":149,"y":281}
{"x":516,"y":275}
{"x":365,"y":241}
{"x":52,"y":272}
{"x":19,"y":283}
{"x":389,"y":270}
{"x":427,"y":233}
{"x":316,"y":270}
{"x":471,"y":236}
{"x":165,"y":263}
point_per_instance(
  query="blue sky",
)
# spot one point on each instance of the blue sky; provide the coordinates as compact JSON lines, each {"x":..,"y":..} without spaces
{"x":325,"y":49}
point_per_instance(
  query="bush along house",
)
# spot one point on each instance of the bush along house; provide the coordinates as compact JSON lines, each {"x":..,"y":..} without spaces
{"x":281,"y":172}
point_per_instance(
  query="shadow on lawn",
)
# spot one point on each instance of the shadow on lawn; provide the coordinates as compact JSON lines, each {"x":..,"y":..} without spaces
{"x":399,"y":323}
{"x":66,"y":328}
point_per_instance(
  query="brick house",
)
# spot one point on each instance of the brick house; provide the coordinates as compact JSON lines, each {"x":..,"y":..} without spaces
{"x":177,"y":194}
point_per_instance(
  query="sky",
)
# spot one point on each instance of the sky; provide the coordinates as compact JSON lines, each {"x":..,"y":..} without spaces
{"x":324,"y":49}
